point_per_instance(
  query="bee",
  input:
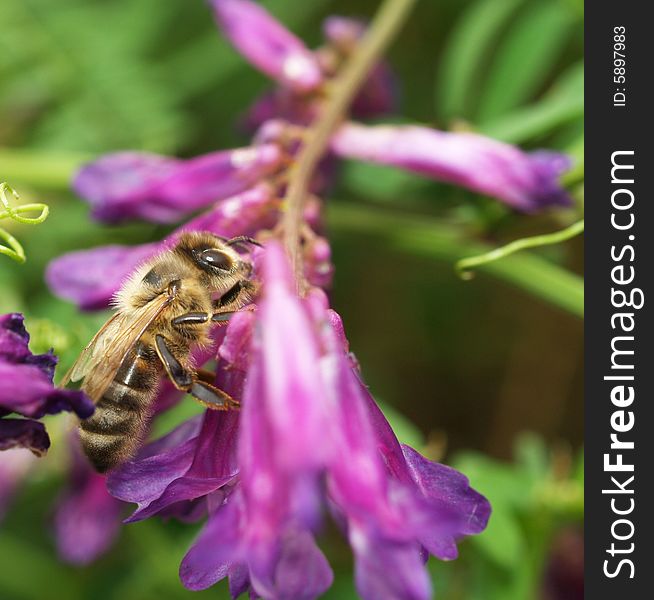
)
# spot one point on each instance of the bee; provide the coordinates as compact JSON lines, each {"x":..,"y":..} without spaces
{"x":164,"y":309}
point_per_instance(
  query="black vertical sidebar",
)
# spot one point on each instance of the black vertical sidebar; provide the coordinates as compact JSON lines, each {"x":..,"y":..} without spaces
{"x":619,"y":238}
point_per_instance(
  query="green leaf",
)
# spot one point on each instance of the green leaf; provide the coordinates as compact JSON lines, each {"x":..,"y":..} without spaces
{"x":465,"y":52}
{"x":563,"y":104}
{"x":532,"y":455}
{"x":525,"y":58}
{"x":508,"y":489}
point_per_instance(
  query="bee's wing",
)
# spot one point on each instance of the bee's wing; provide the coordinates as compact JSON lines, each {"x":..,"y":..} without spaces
{"x":101,"y":359}
{"x":85,"y":360}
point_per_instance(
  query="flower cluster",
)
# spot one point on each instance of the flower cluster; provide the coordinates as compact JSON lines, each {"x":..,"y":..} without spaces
{"x":310,"y":439}
{"x":27,"y":390}
{"x":242,"y":188}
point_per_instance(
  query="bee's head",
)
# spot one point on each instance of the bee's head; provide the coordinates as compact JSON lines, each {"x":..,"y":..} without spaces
{"x":217,"y":257}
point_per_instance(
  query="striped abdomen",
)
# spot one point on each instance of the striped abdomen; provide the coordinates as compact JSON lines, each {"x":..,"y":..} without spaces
{"x":115,"y":430}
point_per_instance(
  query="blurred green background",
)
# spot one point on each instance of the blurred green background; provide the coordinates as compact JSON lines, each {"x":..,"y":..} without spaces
{"x":485,"y":375}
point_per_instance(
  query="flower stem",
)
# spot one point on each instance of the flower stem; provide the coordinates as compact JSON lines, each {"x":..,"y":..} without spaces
{"x":40,"y":169}
{"x":343,"y":89}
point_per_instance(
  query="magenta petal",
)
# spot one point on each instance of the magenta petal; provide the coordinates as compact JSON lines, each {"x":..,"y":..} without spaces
{"x":14,"y":338}
{"x":267,"y":44}
{"x":187,"y":464}
{"x":302,"y":572}
{"x":524,"y":181}
{"x":463,"y":510}
{"x":28,"y":391}
{"x":91,"y":277}
{"x":387,"y":570}
{"x":378,"y":96}
{"x":119,"y":185}
{"x":239,"y":580}
{"x":235,"y":349}
{"x":160,"y":189}
{"x":24,"y":433}
{"x":294,"y":399}
{"x":215,"y":551}
{"x":242,"y":214}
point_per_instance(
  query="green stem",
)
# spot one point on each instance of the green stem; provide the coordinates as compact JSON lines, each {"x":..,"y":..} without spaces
{"x":383,"y":28}
{"x":445,"y":242}
{"x":40,"y":169}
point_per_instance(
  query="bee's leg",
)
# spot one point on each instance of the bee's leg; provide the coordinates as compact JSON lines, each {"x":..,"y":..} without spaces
{"x":197,"y":318}
{"x":234,"y":298}
{"x":187,"y":381}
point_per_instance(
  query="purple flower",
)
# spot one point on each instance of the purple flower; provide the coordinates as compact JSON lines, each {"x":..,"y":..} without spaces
{"x":91,"y":277}
{"x":267,"y":44}
{"x":27,"y":389}
{"x":527,"y":182}
{"x":378,"y":96}
{"x":87,"y":518}
{"x":310,"y":436}
{"x":161,"y":189}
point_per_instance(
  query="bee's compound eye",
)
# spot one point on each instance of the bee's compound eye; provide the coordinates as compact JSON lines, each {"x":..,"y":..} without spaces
{"x":216,"y":258}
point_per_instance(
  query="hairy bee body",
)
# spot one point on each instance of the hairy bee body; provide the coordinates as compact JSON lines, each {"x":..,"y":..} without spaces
{"x":116,"y":428}
{"x":184,"y":286}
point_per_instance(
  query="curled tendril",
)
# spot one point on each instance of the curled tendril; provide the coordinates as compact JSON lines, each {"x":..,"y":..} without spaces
{"x":13,"y":248}
{"x":464,"y":265}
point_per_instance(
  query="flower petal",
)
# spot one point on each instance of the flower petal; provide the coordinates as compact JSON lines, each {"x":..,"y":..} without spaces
{"x":378,"y":96}
{"x":13,"y":338}
{"x":267,"y":44}
{"x":129,"y":185}
{"x":91,"y":277}
{"x":28,"y":391}
{"x":216,"y":550}
{"x":24,"y":433}
{"x":448,"y":492}
{"x":387,"y":570}
{"x":302,"y":572}
{"x":527,"y":182}
{"x":294,"y":400}
{"x":187,"y":464}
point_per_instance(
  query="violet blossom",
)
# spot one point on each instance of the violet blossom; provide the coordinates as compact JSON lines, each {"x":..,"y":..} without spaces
{"x":27,"y":390}
{"x":527,"y":182}
{"x":310,"y":437}
{"x":161,"y":189}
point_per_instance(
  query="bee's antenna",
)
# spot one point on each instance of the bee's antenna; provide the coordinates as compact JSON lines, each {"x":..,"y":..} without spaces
{"x":242,"y":241}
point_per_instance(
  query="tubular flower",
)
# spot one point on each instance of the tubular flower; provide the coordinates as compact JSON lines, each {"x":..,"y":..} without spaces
{"x":527,"y":182}
{"x":27,"y":390}
{"x":156,"y":188}
{"x":310,"y":437}
{"x":267,"y":44}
